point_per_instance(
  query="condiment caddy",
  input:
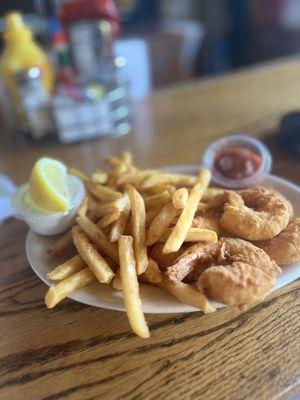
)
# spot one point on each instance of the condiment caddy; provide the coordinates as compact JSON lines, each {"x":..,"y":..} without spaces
{"x":42,"y":102}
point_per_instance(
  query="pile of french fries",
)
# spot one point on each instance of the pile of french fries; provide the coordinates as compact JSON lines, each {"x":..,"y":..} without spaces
{"x":127,"y":210}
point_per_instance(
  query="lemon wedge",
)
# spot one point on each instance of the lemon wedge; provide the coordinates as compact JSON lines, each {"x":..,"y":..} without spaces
{"x":48,"y":185}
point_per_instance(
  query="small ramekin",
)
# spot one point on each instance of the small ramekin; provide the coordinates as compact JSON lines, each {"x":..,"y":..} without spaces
{"x":47,"y":222}
{"x":242,"y":141}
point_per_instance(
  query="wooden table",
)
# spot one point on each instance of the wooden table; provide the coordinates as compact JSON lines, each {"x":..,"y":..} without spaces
{"x":80,"y":352}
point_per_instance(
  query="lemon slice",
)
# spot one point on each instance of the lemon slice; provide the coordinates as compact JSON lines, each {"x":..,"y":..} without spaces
{"x":48,"y":185}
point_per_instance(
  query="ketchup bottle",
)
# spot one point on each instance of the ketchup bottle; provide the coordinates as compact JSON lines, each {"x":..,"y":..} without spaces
{"x":76,"y":10}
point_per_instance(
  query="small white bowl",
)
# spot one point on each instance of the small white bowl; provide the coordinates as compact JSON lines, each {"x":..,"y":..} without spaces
{"x":47,"y":222}
{"x":243,"y":141}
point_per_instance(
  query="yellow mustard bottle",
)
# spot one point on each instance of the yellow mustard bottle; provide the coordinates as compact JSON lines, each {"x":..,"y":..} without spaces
{"x":22,"y":53}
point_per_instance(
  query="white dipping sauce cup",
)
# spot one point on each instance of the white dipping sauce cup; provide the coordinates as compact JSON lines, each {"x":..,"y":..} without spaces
{"x":49,"y":222}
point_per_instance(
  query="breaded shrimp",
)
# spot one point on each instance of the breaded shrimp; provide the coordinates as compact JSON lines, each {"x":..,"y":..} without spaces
{"x":164,"y":260}
{"x":285,"y":247}
{"x":241,"y":273}
{"x":200,"y":254}
{"x":210,"y":219}
{"x":263,"y":215}
{"x":227,"y":197}
{"x":287,"y":202}
{"x":189,"y":265}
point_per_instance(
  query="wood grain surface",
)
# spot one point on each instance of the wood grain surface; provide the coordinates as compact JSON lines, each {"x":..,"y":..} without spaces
{"x":80,"y":352}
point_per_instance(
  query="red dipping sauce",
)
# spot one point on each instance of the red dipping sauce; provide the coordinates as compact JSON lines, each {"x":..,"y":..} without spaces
{"x":237,"y":162}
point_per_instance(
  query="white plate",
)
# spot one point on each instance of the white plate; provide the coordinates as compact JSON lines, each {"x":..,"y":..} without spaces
{"x":154,"y":299}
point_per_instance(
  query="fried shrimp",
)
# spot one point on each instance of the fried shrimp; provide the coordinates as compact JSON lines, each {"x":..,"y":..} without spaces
{"x":164,"y":260}
{"x":240,"y":274}
{"x":227,"y":197}
{"x":262,"y":215}
{"x":200,"y":254}
{"x":210,"y":218}
{"x":285,"y":247}
{"x":187,"y":263}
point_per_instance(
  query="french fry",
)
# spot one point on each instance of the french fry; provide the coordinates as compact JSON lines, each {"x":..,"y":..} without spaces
{"x":82,"y":210}
{"x":66,"y":269}
{"x":180,"y":198}
{"x":160,"y":223}
{"x":187,"y":294}
{"x":116,"y":283}
{"x":100,"y":177}
{"x":102,"y":193}
{"x":92,"y":217}
{"x":126,"y":157}
{"x":111,"y":181}
{"x":98,"y":237}
{"x":119,"y":167}
{"x":62,"y":245}
{"x":185,"y":220}
{"x":100,"y":210}
{"x":159,"y":188}
{"x":78,"y":173}
{"x":64,"y":288}
{"x":152,"y":274}
{"x":91,"y":256}
{"x":151,"y":214}
{"x":130,"y":287}
{"x":170,"y":179}
{"x":138,"y":224}
{"x":156,"y":200}
{"x":108,"y":219}
{"x":193,"y":235}
{"x":211,"y":192}
{"x":119,"y":226}
{"x":135,"y":178}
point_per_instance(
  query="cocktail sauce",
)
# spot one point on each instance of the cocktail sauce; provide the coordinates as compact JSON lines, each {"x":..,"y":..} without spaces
{"x":237,"y":162}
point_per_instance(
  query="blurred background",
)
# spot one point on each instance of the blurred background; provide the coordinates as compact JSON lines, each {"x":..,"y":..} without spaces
{"x":195,"y":37}
{"x":104,"y":55}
